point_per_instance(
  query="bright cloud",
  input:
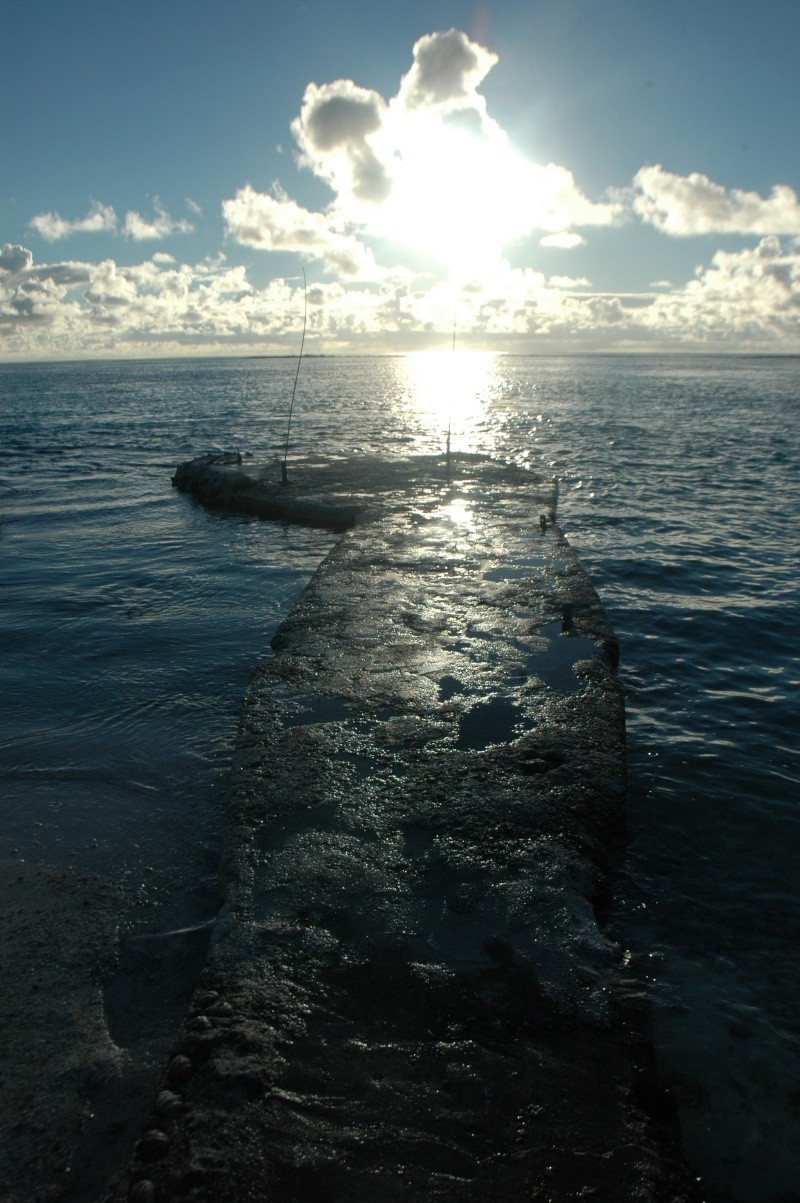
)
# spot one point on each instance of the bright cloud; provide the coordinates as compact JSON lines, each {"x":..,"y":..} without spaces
{"x":101,"y":219}
{"x":69,"y":308}
{"x":447,"y":71}
{"x":565,"y":241}
{"x":743,"y":297}
{"x":276,"y":223}
{"x":460,"y":199}
{"x":141,"y":229}
{"x":52,"y":227}
{"x":694,"y":204}
{"x":747,"y":299}
{"x":427,"y":170}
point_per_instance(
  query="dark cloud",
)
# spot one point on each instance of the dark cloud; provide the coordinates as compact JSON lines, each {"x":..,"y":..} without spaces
{"x":65,"y":275}
{"x":15,"y":258}
{"x":333,"y":132}
{"x":340,"y":114}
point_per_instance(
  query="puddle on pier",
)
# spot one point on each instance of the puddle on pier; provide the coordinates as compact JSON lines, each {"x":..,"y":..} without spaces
{"x":499,"y":719}
{"x":556,"y":664}
{"x":488,"y":723}
{"x":318,"y":708}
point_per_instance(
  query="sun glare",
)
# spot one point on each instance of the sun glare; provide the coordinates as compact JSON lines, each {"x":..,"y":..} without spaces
{"x":456,"y":197}
{"x":451,"y":389}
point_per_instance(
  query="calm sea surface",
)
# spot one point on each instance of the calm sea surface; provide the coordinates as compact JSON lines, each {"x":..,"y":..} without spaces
{"x":131,"y":618}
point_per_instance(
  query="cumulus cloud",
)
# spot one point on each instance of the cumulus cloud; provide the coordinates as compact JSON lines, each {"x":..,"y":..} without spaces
{"x":52,"y":227}
{"x":62,"y":275}
{"x":73,"y":308}
{"x":744,"y":300}
{"x":569,"y":282}
{"x":110,"y":286}
{"x":35,"y":298}
{"x":276,"y":223}
{"x":101,"y":219}
{"x":748,"y":299}
{"x":161,"y":225}
{"x":335,"y":132}
{"x":447,"y":71}
{"x":742,"y":296}
{"x":694,"y":204}
{"x":14,"y":258}
{"x":32,"y":306}
{"x":427,"y":170}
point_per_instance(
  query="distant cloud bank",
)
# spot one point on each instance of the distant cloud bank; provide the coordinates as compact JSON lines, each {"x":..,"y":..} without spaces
{"x":749,"y":299}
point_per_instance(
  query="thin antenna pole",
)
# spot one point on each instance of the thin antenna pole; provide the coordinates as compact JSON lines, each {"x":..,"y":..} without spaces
{"x":284,"y":476}
{"x":449,"y":417}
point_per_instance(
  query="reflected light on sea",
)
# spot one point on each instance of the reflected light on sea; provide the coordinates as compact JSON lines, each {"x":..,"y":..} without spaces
{"x":451,"y":390}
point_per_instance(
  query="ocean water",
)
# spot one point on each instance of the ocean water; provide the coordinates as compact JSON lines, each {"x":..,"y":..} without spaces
{"x":131,"y":618}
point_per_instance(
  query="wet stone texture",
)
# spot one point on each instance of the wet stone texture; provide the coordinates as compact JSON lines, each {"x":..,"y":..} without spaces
{"x":408,"y":995}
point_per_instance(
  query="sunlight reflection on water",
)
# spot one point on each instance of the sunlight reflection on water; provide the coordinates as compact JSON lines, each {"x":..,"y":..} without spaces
{"x":452,"y":390}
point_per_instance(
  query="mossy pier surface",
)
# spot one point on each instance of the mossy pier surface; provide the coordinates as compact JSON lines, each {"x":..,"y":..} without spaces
{"x":408,"y":993}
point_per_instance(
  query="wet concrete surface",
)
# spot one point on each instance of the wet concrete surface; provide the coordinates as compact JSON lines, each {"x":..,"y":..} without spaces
{"x":408,"y":993}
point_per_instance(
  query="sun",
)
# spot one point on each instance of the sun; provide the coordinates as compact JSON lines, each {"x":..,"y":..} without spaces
{"x":457,"y":197}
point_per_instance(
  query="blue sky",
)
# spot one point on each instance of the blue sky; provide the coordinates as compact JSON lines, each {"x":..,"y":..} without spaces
{"x":563,"y":175}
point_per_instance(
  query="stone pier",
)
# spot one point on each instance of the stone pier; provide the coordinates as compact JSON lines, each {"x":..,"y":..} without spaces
{"x":409,"y":993}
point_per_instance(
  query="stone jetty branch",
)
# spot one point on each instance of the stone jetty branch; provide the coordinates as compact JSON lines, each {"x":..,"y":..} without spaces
{"x":409,"y":993}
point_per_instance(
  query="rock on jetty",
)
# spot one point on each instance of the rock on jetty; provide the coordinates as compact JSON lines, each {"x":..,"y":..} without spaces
{"x":409,"y":995}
